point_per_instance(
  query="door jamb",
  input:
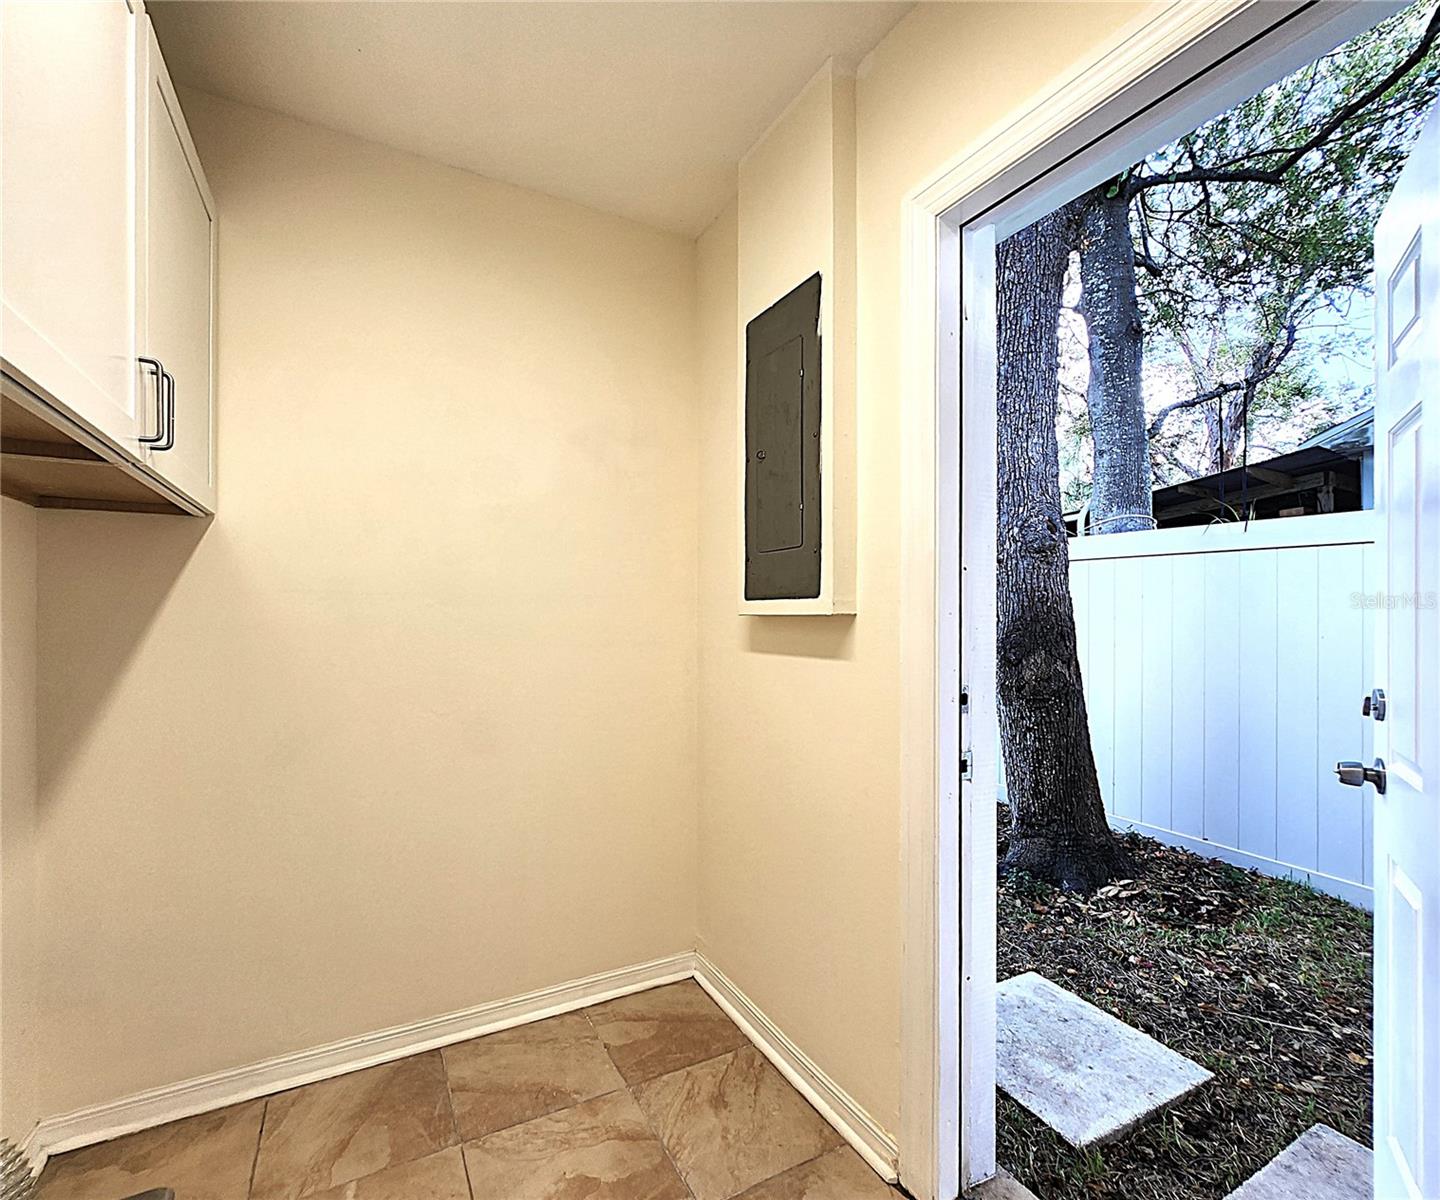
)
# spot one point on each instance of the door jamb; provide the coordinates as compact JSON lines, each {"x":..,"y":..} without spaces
{"x":1139,"y":91}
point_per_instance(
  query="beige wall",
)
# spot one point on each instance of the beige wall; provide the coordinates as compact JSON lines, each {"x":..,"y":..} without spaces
{"x":441,"y":705}
{"x":410,"y":725}
{"x":796,"y":217}
{"x":799,"y":843}
{"x":19,"y":1065}
{"x":800,"y":819}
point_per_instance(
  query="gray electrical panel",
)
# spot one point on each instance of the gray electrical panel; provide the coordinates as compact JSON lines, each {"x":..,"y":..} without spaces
{"x":782,"y":448}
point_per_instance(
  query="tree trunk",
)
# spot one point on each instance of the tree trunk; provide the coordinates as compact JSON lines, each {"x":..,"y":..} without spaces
{"x":1058,"y":828}
{"x":1120,"y":495}
{"x":1224,"y":428}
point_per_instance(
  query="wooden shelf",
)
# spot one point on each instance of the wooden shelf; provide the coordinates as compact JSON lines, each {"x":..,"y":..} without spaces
{"x":47,"y":465}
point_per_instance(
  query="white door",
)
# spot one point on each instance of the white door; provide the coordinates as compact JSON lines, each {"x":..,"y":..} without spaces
{"x":1407,"y":739}
{"x":178,"y":309}
{"x":69,"y":174}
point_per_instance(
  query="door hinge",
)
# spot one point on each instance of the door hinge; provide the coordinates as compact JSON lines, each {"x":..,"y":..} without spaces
{"x":967,"y":767}
{"x":964,"y":697}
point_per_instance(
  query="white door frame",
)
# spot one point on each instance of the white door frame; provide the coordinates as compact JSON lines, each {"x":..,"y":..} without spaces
{"x":1159,"y":78}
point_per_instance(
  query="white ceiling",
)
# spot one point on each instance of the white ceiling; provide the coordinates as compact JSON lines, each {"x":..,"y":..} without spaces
{"x":641,"y":108}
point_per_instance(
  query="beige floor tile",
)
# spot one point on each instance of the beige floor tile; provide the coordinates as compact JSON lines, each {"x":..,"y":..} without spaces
{"x":599,"y":1150}
{"x":439,"y":1177}
{"x":655,"y":1032}
{"x":523,"y":1073}
{"x":731,"y":1122}
{"x":329,"y":1133}
{"x":839,"y":1175}
{"x":208,"y":1157}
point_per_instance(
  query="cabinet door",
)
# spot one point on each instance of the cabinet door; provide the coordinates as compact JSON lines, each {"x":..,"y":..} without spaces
{"x":69,"y":209}
{"x":179,"y":256}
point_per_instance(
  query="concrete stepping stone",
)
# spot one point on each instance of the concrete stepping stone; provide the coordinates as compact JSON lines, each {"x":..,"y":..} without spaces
{"x":1087,"y":1075}
{"x":1004,"y":1186}
{"x":1320,"y":1164}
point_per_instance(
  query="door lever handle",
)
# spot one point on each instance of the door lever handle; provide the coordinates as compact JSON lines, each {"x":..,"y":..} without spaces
{"x":1357,"y":774}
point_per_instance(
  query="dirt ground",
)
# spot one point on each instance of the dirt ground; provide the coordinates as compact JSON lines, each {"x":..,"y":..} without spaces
{"x":1265,"y":982}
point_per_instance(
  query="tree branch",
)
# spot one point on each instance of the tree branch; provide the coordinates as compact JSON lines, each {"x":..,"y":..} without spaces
{"x":1190,"y":402}
{"x":1266,"y":362}
{"x":1175,"y":461}
{"x":1145,"y":262}
{"x":1275,"y":174}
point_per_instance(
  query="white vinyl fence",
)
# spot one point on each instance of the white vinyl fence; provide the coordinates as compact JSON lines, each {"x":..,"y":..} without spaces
{"x":1224,"y":672}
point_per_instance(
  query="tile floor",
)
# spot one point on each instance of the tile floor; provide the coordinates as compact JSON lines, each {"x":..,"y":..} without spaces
{"x":655,"y":1096}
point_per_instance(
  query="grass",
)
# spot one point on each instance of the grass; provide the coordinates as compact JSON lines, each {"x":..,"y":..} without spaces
{"x":1265,"y":982}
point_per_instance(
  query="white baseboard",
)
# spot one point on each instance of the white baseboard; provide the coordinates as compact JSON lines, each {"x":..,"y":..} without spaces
{"x":851,"y":1121}
{"x":158,"y":1106}
{"x":33,"y":1151}
{"x":161,"y":1105}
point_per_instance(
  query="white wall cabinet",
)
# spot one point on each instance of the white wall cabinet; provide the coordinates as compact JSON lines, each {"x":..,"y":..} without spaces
{"x":177,"y":315}
{"x":108,"y":252}
{"x":70,"y":208}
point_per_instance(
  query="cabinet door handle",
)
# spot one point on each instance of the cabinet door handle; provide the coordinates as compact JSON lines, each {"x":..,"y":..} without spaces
{"x":163,"y":398}
{"x":167,"y":441}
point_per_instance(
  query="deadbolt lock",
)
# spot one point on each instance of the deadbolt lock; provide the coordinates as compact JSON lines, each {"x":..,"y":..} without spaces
{"x":1374,"y":705}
